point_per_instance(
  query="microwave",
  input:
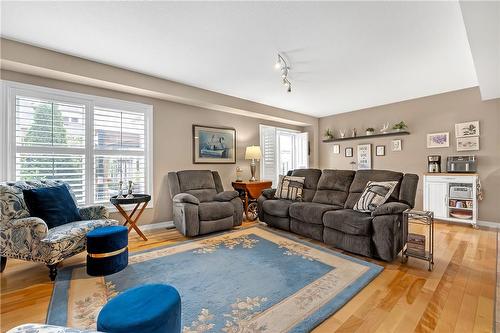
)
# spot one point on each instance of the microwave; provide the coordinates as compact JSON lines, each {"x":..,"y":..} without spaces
{"x":461,"y":191}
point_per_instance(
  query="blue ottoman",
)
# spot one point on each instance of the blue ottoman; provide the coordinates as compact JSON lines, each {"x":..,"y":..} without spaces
{"x":107,"y":250}
{"x":152,"y":308}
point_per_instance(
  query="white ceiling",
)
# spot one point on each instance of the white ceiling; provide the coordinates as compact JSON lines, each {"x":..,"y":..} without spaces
{"x":344,"y":55}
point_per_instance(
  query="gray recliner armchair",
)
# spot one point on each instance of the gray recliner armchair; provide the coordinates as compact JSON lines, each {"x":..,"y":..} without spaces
{"x":200,"y":204}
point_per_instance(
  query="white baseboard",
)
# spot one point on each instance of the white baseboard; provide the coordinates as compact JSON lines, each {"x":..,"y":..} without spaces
{"x":159,"y":225}
{"x":488,"y":224}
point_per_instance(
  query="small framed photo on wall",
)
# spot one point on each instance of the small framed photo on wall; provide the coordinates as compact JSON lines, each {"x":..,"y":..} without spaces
{"x":396,"y":145}
{"x":349,"y":152}
{"x":438,"y":140}
{"x":364,"y":156}
{"x":380,"y":151}
{"x":336,"y":149}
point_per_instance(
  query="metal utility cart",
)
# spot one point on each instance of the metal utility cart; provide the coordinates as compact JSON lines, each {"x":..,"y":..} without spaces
{"x":425,"y":218}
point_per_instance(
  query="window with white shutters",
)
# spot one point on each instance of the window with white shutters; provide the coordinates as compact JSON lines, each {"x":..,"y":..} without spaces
{"x":119,"y":155}
{"x":282,"y":150}
{"x":90,"y":142}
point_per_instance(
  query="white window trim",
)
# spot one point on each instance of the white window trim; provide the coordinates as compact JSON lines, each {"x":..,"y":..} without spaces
{"x":8,"y":128}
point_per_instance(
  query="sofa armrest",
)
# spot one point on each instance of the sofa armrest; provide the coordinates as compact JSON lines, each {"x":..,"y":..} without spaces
{"x":19,"y":238}
{"x":390,"y":208}
{"x":97,"y":212}
{"x":269,"y":193}
{"x":226,"y":196}
{"x":186,"y":198}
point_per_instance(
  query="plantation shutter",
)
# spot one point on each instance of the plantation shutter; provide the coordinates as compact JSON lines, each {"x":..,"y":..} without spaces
{"x":119,"y":152}
{"x":268,"y":162}
{"x":50,"y":142}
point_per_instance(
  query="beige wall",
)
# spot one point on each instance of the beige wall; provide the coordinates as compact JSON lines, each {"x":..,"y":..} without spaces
{"x":172,"y":137}
{"x":438,"y":113}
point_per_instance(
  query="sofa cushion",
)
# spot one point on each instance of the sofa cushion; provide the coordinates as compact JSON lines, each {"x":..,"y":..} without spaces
{"x":12,"y":205}
{"x":349,"y":221}
{"x":290,"y":188}
{"x":277,"y":207}
{"x":54,"y":205}
{"x":362,"y":177}
{"x":215,"y":210}
{"x":310,"y":182}
{"x":310,"y":212}
{"x":333,"y":187}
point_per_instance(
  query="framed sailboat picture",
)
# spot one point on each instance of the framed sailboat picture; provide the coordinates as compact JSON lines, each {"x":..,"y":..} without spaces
{"x":214,"y":145}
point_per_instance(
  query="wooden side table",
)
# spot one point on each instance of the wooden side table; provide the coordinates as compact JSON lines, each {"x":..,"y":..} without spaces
{"x":138,"y":199}
{"x":251,"y":191}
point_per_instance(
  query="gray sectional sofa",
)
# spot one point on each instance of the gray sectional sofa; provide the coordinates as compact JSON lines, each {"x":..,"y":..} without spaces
{"x":326,"y":213}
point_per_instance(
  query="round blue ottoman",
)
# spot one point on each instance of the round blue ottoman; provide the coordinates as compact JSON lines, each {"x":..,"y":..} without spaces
{"x":151,"y":308}
{"x":107,"y":250}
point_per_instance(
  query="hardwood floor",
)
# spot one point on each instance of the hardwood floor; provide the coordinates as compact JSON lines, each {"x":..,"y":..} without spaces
{"x":458,"y":296}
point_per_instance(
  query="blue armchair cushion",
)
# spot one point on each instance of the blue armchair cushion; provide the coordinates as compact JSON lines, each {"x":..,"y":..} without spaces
{"x":54,"y":205}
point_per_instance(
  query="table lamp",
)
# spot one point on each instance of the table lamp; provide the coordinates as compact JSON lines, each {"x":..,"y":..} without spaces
{"x":253,"y":153}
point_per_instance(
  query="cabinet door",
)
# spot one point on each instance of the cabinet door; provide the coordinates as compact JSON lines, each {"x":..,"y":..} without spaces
{"x":436,"y":198}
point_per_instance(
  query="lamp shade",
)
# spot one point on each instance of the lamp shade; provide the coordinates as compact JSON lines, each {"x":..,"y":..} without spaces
{"x":253,"y":153}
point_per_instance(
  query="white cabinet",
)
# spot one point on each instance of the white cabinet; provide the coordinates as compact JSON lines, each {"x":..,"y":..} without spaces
{"x":452,"y":197}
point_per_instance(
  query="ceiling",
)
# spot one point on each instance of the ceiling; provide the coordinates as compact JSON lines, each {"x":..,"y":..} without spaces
{"x":344,"y":56}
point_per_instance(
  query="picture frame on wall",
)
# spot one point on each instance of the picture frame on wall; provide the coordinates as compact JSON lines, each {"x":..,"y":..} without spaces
{"x":396,"y":145}
{"x":364,"y":156}
{"x":438,"y":140}
{"x":467,"y":129}
{"x":349,"y":152}
{"x":336,"y":149}
{"x":214,"y":145}
{"x":468,"y":143}
{"x":380,"y":150}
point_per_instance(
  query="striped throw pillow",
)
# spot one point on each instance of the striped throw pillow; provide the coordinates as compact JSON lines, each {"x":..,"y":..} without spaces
{"x":374,"y":195}
{"x":290,"y":188}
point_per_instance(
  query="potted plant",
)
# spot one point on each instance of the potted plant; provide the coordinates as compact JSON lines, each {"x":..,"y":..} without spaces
{"x":401,"y":126}
{"x":328,"y":134}
{"x":370,"y":131}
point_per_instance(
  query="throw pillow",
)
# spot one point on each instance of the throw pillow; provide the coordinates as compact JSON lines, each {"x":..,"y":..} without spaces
{"x":53,"y":204}
{"x":290,"y":188}
{"x":374,"y":195}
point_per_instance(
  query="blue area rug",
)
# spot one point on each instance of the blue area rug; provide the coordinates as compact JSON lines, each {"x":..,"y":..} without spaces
{"x":252,"y":280}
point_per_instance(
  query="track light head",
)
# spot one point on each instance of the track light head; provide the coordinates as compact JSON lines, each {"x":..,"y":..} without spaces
{"x":289,"y":88}
{"x":283,"y":66}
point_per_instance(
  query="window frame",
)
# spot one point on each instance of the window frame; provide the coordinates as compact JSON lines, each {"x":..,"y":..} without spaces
{"x":9,"y":148}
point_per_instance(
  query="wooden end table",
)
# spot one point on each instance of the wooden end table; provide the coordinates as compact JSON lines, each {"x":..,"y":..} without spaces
{"x":251,"y":191}
{"x":138,"y":199}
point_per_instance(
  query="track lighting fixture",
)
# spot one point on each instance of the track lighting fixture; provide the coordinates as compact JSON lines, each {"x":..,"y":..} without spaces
{"x":282,"y":65}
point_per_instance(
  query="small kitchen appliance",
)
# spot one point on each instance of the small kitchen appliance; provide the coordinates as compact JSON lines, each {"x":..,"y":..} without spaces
{"x":462,"y":164}
{"x":434,"y":163}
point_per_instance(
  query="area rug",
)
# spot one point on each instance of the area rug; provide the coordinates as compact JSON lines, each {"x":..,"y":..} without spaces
{"x":249,"y":280}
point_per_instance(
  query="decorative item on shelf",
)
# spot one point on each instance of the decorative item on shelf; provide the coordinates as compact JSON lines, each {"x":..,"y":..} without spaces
{"x":396,"y":145}
{"x":283,"y":66}
{"x":342,"y":133}
{"x":401,"y":126}
{"x":364,"y":156}
{"x":253,"y":153}
{"x":370,"y":131}
{"x":380,"y":151}
{"x":214,"y":145}
{"x":354,"y":133}
{"x":239,"y":174}
{"x":120,"y":190}
{"x":130,"y":189}
{"x":336,"y":149}
{"x":438,"y":140}
{"x":328,"y":134}
{"x":348,"y":152}
{"x":385,"y":128}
